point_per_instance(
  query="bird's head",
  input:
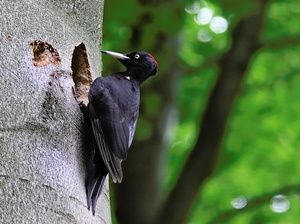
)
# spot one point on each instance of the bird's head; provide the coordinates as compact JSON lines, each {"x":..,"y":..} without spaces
{"x":140,"y":65}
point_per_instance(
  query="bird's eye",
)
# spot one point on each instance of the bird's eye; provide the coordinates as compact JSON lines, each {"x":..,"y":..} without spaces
{"x":137,"y":56}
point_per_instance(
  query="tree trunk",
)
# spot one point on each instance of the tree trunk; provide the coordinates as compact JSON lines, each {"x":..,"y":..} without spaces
{"x":42,"y":159}
{"x":143,"y":168}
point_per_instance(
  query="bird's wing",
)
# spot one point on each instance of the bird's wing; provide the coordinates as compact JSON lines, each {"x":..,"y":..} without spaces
{"x":113,"y":129}
{"x":112,"y":162}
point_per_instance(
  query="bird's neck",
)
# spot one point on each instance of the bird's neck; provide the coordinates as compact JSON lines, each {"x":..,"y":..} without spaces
{"x":133,"y":77}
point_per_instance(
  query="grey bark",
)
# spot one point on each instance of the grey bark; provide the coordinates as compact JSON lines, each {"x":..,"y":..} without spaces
{"x":42,"y":163}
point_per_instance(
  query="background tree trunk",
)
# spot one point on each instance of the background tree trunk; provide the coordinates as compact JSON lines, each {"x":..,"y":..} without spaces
{"x":42,"y":163}
{"x":143,"y":173}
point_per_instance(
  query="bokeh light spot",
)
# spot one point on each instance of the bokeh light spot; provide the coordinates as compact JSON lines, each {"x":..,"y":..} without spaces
{"x":280,"y":204}
{"x":218,"y":24}
{"x":204,"y":35}
{"x":239,"y":203}
{"x":193,"y":8}
{"x":204,"y":16}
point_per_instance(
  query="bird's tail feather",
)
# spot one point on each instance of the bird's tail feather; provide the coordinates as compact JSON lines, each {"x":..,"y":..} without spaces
{"x":94,"y":184}
{"x":97,"y":172}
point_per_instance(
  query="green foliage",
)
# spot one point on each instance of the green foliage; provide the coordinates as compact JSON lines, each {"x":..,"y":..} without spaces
{"x":260,"y":152}
{"x":282,"y":20}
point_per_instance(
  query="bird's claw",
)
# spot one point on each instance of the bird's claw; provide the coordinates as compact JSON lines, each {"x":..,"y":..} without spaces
{"x":83,"y":107}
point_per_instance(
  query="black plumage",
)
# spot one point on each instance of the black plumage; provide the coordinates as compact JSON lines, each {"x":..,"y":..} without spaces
{"x":113,"y":112}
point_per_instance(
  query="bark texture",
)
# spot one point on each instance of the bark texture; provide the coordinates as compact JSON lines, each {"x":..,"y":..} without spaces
{"x":42,"y":159}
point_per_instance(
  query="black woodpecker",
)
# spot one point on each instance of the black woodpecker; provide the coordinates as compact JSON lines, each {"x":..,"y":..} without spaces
{"x":113,"y":111}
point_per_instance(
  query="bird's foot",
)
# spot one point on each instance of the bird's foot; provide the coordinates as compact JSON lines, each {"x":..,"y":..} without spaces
{"x":83,"y":107}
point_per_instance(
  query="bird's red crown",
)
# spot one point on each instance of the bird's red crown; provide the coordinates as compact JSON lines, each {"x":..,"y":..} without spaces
{"x":151,"y":56}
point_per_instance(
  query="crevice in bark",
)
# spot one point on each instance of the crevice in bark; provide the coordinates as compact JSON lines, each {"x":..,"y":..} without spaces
{"x":82,"y":76}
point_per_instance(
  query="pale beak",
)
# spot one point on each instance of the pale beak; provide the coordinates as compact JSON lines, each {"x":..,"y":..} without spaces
{"x":115,"y":55}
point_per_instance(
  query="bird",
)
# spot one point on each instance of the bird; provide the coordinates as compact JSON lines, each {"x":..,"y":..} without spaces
{"x":113,"y":111}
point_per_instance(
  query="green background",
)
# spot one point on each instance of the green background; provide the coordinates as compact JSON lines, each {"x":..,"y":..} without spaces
{"x":259,"y":156}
